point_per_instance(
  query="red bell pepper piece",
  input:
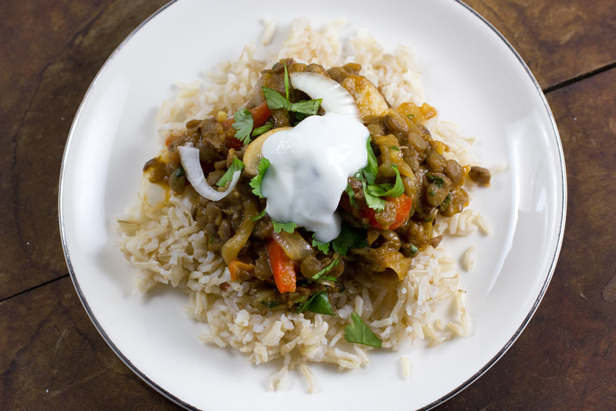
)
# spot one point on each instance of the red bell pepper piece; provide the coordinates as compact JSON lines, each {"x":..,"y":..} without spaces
{"x":282,"y":267}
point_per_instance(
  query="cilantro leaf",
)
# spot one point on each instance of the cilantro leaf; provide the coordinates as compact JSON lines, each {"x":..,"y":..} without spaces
{"x":288,"y":227}
{"x":414,"y":249}
{"x":387,"y":190}
{"x":317,"y":303}
{"x":446,"y":202}
{"x":349,"y":237}
{"x":255,"y":183}
{"x":394,"y":148}
{"x":410,"y":115}
{"x":258,"y":216}
{"x":286,"y":81}
{"x":270,"y":304}
{"x":275,"y":100}
{"x":325,"y":277}
{"x":243,"y":125}
{"x":374,"y":202}
{"x":372,"y":169}
{"x":260,"y":130}
{"x":236,"y":165}
{"x":306,"y":107}
{"x":324,"y":247}
{"x":438,"y":181}
{"x":180,"y":172}
{"x":326,"y":269}
{"x":351,"y":193}
{"x":359,"y":333}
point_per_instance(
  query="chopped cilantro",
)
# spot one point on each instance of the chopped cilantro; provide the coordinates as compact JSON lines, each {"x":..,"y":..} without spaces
{"x":438,"y":181}
{"x":351,"y":193}
{"x":349,"y":237}
{"x":359,"y":333}
{"x":180,"y":172}
{"x":288,"y":227}
{"x":243,"y":125}
{"x":306,"y":107}
{"x":255,"y":183}
{"x":446,"y":202}
{"x":432,"y":193}
{"x":260,"y":130}
{"x":374,"y":202}
{"x":286,"y":81}
{"x":317,"y":303}
{"x":414,"y":249}
{"x":326,"y":269}
{"x":410,"y":116}
{"x":324,"y":247}
{"x":236,"y":165}
{"x":394,"y":148}
{"x":270,"y":304}
{"x":258,"y":216}
{"x":275,"y":100}
{"x":372,"y":169}
{"x":325,"y":277}
{"x":386,"y":190}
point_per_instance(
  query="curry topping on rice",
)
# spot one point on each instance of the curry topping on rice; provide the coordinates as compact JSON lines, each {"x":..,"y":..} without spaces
{"x":387,"y":210}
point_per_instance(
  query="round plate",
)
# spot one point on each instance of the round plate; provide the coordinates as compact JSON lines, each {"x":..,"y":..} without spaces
{"x":471,"y":74}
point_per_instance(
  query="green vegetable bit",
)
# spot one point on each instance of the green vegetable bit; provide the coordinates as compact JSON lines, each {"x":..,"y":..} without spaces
{"x":387,"y":190}
{"x":275,"y":100}
{"x":258,"y":216}
{"x":288,"y":227}
{"x":410,"y":116}
{"x":270,"y":304}
{"x":350,"y":237}
{"x":359,"y":333}
{"x":260,"y":130}
{"x":286,"y":81}
{"x":438,"y":181}
{"x":351,"y":194}
{"x":326,"y":269}
{"x":414,"y":250}
{"x":256,"y":181}
{"x":374,"y":202}
{"x":372,"y":169}
{"x":318,"y":303}
{"x":306,"y":107}
{"x":236,"y":165}
{"x":324,"y":247}
{"x":180,"y":172}
{"x":396,"y":148}
{"x":243,"y":125}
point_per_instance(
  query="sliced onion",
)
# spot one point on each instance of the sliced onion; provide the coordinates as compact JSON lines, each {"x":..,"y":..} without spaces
{"x":293,"y":245}
{"x":336,"y":99}
{"x":189,"y":157}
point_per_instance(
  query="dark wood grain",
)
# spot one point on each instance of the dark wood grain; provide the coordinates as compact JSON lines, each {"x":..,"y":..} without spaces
{"x":558,"y":39}
{"x":52,"y":358}
{"x":55,"y":51}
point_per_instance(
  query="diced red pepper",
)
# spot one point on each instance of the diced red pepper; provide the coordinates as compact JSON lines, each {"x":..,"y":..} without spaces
{"x":403,"y":209}
{"x":260,"y":114}
{"x":282,"y":267}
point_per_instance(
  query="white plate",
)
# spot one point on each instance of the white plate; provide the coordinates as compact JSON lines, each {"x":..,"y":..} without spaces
{"x":472,"y":75}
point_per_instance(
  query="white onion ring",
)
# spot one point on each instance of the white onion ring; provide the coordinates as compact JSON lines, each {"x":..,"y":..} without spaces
{"x":336,"y":99}
{"x":189,"y":157}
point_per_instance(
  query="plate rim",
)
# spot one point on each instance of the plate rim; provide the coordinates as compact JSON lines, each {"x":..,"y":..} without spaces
{"x":430,"y":406}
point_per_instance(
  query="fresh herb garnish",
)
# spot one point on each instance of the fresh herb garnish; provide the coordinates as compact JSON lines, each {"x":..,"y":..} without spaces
{"x":387,"y":190}
{"x":258,"y":216}
{"x":270,"y":304}
{"x":325,"y":277}
{"x":350,"y":237}
{"x":306,"y":107}
{"x":275,"y":100}
{"x":410,"y":115}
{"x":359,"y":333}
{"x":260,"y":130}
{"x":286,"y":81}
{"x":446,"y":202}
{"x":372,"y":169}
{"x":414,"y":249}
{"x":351,"y":194}
{"x":180,"y":172}
{"x":236,"y":165}
{"x":243,"y":125}
{"x":255,"y":183}
{"x":288,"y":227}
{"x":394,"y":148}
{"x":326,"y":269}
{"x":317,"y":303}
{"x":432,"y":193}
{"x":324,"y":247}
{"x":438,"y":181}
{"x":374,"y":202}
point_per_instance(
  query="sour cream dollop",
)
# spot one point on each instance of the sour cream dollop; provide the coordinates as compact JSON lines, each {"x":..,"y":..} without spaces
{"x":309,"y":168}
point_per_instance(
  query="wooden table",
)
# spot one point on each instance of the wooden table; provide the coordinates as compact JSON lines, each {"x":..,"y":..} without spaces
{"x":52,"y":357}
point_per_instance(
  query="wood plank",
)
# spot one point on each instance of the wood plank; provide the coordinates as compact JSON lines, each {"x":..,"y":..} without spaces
{"x":566,"y":357}
{"x":55,"y":51}
{"x":52,"y":358}
{"x":558,"y":39}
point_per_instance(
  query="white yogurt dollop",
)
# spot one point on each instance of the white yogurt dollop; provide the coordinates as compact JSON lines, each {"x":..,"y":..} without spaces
{"x":310,"y":165}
